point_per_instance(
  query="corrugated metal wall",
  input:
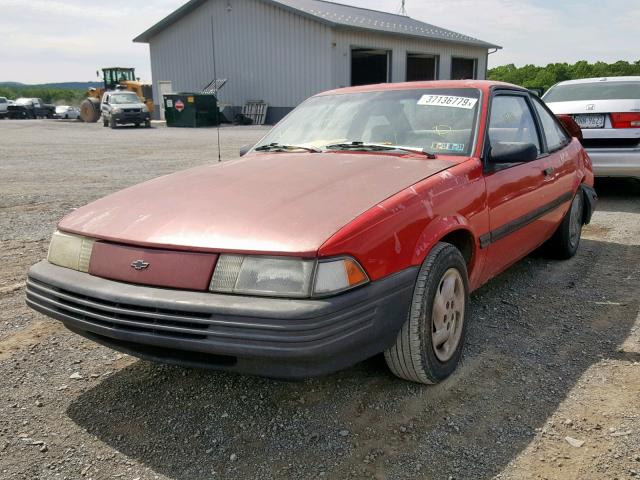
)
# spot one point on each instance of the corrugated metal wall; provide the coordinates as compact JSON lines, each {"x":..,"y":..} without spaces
{"x":344,"y":40}
{"x":265,"y":52}
{"x":268,"y":53}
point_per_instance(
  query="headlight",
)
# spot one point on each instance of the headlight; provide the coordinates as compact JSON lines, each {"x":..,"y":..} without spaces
{"x":285,"y":277}
{"x":116,"y":110}
{"x":145,"y":109}
{"x":70,"y":251}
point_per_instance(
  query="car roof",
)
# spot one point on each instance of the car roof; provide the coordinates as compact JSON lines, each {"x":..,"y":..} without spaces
{"x":600,"y":79}
{"x":483,"y":85}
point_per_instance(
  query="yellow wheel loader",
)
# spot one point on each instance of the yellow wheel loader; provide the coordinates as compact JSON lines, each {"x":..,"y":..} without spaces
{"x":115,"y":78}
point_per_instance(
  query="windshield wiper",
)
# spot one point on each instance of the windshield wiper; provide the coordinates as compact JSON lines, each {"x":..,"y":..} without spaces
{"x":378,"y":147}
{"x":278,"y":147}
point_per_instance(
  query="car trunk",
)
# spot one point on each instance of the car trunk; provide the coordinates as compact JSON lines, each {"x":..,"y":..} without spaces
{"x":604,"y":123}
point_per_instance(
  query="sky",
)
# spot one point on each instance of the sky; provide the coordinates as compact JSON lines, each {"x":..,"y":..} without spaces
{"x":68,"y":40}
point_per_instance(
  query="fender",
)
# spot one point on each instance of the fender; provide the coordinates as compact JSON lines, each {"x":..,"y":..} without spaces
{"x":438,"y":229}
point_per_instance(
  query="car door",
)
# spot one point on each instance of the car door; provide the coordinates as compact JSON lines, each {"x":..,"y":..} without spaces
{"x":104,"y":106}
{"x":562,"y":158}
{"x":519,"y":195}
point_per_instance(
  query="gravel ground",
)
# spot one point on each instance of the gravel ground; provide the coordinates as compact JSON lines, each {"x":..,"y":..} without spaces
{"x":549,"y":386}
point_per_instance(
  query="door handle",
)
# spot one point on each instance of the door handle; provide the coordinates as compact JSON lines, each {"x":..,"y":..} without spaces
{"x":548,"y":171}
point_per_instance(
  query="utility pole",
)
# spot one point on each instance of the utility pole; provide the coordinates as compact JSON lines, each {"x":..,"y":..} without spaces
{"x":403,"y":10}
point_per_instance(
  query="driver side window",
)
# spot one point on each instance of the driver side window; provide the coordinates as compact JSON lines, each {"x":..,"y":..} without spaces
{"x":511,"y":121}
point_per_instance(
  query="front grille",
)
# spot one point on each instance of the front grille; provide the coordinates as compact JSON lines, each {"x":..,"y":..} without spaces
{"x":132,"y":110}
{"x":135,"y":318}
{"x":610,"y":143}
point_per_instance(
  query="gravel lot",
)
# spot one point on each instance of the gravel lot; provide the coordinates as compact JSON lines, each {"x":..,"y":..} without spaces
{"x":553,"y":356}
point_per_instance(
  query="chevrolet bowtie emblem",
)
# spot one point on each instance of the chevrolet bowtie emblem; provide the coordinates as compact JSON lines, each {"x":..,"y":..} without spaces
{"x":140,"y":264}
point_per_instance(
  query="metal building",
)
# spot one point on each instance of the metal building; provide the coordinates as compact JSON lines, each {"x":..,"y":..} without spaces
{"x":283,"y":51}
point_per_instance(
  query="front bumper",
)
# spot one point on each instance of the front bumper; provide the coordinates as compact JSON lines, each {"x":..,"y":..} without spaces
{"x":131,"y":117}
{"x":282,"y":338}
{"x":615,"y":162}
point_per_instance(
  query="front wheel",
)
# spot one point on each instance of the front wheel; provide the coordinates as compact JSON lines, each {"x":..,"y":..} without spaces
{"x":565,"y":241}
{"x":429,"y":344}
{"x":112,"y":122}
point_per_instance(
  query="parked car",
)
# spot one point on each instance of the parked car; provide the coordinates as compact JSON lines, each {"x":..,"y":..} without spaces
{"x":4,"y":103}
{"x":358,"y":225}
{"x":123,"y":107}
{"x":67,"y":112}
{"x":30,"y":108}
{"x":608,"y":111}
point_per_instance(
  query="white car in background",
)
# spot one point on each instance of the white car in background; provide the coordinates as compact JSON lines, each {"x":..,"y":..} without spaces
{"x":608,"y":112}
{"x":67,"y":112}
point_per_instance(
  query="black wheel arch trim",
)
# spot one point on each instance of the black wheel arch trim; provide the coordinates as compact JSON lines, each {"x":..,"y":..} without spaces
{"x":590,"y":201}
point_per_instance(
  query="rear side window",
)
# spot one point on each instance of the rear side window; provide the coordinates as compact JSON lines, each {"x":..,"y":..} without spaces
{"x":3,"y":100}
{"x":594,"y":91}
{"x":512,"y":121}
{"x":553,"y":132}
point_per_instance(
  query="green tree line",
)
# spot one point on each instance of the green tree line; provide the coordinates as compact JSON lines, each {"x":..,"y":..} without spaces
{"x":57,"y":96}
{"x":532,"y":76}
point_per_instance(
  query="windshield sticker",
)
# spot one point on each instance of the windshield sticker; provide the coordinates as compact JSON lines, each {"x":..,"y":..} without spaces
{"x":448,"y":101}
{"x":449,"y":147}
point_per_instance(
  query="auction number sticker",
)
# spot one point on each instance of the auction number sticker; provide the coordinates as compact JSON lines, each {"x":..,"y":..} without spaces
{"x":448,"y":101}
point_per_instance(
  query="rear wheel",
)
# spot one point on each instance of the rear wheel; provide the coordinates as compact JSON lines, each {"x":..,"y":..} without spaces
{"x":429,"y":345}
{"x":566,"y":240}
{"x":112,"y":122}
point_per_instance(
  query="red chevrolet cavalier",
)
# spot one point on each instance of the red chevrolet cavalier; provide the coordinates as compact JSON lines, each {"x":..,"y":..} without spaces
{"x":358,"y":225}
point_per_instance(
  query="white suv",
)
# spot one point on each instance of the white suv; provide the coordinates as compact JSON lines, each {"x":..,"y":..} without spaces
{"x":608,"y":111}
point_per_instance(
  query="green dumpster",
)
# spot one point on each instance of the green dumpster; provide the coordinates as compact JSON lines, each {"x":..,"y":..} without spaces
{"x":191,"y":110}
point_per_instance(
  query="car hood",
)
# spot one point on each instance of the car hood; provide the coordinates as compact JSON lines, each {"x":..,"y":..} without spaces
{"x":278,"y":203}
{"x":128,"y":105}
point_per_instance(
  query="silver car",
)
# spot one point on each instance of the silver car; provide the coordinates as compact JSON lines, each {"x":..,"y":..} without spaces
{"x":67,"y":112}
{"x":608,"y":111}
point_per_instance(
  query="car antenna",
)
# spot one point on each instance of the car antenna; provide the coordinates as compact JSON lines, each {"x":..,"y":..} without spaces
{"x":215,"y":89}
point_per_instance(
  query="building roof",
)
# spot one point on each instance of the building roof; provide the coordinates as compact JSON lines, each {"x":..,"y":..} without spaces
{"x":339,"y":15}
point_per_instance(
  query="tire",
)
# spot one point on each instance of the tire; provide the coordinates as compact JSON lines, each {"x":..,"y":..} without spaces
{"x":105,"y":122}
{"x":137,"y":124}
{"x":112,"y":122}
{"x":147,"y":124}
{"x":419,"y":354}
{"x":565,"y":241}
{"x":90,"y":110}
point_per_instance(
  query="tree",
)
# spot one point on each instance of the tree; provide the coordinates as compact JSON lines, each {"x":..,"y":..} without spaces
{"x":532,"y":76}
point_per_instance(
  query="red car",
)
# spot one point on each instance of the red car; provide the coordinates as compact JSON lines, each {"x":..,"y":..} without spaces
{"x":358,"y":225}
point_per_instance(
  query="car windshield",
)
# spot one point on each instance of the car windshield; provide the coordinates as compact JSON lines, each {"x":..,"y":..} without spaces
{"x":23,"y":101}
{"x":440,"y":121}
{"x":594,"y":91}
{"x":119,"y":98}
{"x":61,"y":109}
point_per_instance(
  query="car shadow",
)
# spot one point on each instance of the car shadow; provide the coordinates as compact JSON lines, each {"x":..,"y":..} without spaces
{"x":622,"y":194}
{"x":535,"y":330}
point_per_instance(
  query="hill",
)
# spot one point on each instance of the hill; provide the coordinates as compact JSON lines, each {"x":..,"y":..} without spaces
{"x":62,"y":85}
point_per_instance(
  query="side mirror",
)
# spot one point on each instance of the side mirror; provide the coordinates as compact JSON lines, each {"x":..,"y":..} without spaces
{"x":502,"y":153}
{"x":244,"y":149}
{"x":572,"y":127}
